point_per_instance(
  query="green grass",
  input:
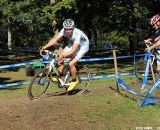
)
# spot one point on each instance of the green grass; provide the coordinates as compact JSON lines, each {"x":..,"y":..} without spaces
{"x":101,"y":108}
{"x":119,"y":112}
{"x":114,"y":110}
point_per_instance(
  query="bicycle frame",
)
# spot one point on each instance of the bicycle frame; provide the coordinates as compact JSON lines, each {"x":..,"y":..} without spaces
{"x":147,"y":58}
{"x":149,"y":64}
{"x":145,"y":100}
{"x":51,"y":66}
{"x":148,"y":99}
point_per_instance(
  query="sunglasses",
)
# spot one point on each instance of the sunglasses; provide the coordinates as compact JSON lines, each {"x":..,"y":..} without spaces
{"x":67,"y":29}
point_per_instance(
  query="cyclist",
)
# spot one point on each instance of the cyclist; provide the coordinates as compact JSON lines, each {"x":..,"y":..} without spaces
{"x":155,"y":23}
{"x":78,"y":45}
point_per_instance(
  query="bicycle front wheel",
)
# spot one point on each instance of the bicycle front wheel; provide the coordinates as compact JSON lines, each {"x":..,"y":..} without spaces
{"x":39,"y":84}
{"x":84,"y":80}
{"x":140,"y":68}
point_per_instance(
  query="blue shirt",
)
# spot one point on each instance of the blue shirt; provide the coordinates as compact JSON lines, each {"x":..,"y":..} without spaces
{"x":157,"y":31}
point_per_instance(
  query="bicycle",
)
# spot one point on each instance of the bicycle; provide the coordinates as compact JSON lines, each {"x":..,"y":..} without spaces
{"x":143,"y":71}
{"x":43,"y":78}
{"x":146,"y":67}
{"x":147,"y":96}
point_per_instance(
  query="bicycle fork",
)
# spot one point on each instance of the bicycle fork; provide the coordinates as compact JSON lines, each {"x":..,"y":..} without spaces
{"x":145,"y":78}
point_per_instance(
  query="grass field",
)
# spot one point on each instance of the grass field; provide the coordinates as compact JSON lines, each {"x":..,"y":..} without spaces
{"x":100,"y":108}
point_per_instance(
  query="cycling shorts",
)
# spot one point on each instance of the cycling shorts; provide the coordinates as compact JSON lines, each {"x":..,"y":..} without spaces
{"x":81,"y":51}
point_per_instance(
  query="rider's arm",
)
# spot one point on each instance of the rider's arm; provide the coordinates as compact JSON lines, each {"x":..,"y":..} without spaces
{"x":52,"y":41}
{"x":155,"y":45}
{"x":148,"y":40}
{"x":153,"y":38}
{"x":74,"y":48}
{"x":157,"y":42}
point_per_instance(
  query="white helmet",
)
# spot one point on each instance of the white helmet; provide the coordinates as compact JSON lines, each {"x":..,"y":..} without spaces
{"x":68,"y":23}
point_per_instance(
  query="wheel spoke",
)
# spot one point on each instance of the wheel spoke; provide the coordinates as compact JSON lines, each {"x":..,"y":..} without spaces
{"x":39,"y":84}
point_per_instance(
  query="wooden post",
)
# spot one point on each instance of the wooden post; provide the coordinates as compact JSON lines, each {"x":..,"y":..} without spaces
{"x":115,"y":67}
{"x":115,"y":62}
{"x":152,"y":71}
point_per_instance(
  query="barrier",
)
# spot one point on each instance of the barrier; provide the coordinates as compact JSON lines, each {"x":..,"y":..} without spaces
{"x":13,"y":84}
{"x":92,"y":78}
{"x":81,"y":60}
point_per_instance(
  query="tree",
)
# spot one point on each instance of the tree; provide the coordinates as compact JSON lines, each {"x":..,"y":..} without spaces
{"x":114,"y":21}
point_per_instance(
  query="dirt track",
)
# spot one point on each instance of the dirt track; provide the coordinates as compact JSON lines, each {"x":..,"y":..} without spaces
{"x":47,"y":113}
{"x":21,"y":113}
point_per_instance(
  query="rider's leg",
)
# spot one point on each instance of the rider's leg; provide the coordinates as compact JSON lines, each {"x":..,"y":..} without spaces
{"x":60,"y":68}
{"x":72,"y":63}
{"x":73,"y":69}
{"x":61,"y":64}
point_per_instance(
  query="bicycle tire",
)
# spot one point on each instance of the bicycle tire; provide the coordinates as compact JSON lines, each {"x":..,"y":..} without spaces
{"x":37,"y":85}
{"x":152,"y":95}
{"x":84,"y":80}
{"x":140,"y":69}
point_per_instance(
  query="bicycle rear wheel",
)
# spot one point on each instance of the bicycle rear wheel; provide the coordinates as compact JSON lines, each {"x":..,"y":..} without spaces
{"x":84,"y":80}
{"x":140,"y":69}
{"x":39,"y":84}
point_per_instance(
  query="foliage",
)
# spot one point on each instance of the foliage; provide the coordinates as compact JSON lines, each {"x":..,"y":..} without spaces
{"x":113,"y":38}
{"x":116,"y":21}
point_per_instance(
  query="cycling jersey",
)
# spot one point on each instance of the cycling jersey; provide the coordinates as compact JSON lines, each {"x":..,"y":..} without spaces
{"x":79,"y":37}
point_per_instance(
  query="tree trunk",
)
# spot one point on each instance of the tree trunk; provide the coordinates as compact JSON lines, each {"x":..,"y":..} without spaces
{"x":9,"y":44}
{"x":132,"y":27}
{"x":53,"y":2}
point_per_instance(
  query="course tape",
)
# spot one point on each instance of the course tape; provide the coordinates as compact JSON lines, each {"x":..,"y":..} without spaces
{"x":92,"y":77}
{"x":108,"y":76}
{"x":81,"y":60}
{"x":13,"y":84}
{"x":17,"y":65}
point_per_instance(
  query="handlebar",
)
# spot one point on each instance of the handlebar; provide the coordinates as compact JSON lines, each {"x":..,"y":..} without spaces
{"x":48,"y":55}
{"x":148,"y":44}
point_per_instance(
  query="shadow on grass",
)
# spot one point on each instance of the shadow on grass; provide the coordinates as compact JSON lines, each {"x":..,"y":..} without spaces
{"x":71,"y":93}
{"x":125,"y":94}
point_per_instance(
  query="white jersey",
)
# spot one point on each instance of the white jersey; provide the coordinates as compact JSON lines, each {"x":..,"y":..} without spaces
{"x":78,"y":36}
